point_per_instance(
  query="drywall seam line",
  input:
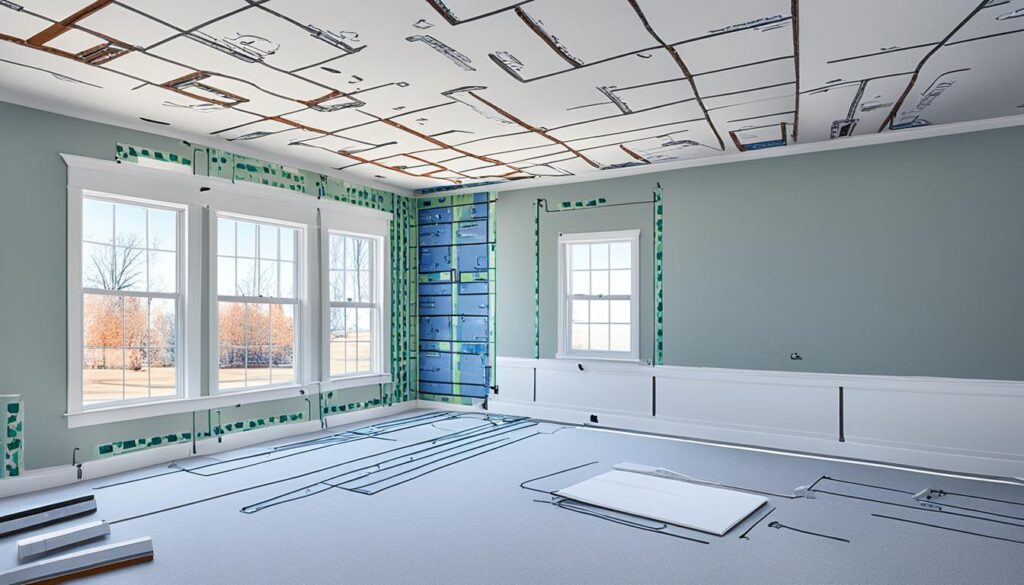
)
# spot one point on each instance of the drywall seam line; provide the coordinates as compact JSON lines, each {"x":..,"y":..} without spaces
{"x":917,"y":71}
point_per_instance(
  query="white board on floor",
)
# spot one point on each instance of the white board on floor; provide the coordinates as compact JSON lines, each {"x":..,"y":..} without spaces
{"x":699,"y":507}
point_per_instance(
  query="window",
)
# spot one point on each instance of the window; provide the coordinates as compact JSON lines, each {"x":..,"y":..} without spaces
{"x":257,"y":302}
{"x":354,"y":305}
{"x":599,"y":292}
{"x":131,"y":283}
{"x":190,"y":293}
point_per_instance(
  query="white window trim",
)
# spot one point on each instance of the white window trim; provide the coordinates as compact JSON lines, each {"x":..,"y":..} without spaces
{"x":195,"y":193}
{"x":331,"y":221}
{"x":305,"y":283}
{"x":189,"y":285}
{"x":565,"y":350}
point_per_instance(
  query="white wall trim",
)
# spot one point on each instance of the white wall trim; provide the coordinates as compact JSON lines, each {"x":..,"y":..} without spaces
{"x":961,"y":425}
{"x":566,"y":295}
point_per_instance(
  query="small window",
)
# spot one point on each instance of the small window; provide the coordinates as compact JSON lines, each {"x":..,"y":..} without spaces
{"x":131,"y":282}
{"x":599,"y":292}
{"x":257,"y":303}
{"x":354,"y":305}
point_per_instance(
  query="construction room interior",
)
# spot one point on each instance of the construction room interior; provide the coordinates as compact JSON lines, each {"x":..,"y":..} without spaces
{"x":512,"y":291}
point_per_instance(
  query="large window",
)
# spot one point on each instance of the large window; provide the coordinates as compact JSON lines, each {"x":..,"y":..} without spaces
{"x":130,"y":300}
{"x":599,"y":290}
{"x":354,"y":305}
{"x":190,"y":293}
{"x":257,"y":298}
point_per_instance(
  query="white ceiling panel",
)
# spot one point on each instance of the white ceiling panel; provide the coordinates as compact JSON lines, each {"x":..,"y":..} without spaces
{"x":547,"y":87}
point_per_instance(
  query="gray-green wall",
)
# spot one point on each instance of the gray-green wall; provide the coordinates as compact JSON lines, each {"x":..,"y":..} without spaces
{"x":33,"y":287}
{"x":900,"y":259}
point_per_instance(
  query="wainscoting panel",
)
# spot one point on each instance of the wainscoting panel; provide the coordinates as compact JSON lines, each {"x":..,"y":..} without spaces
{"x":945,"y":424}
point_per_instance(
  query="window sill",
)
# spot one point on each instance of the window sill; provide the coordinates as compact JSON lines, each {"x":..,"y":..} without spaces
{"x":594,"y":358}
{"x":355,"y":381}
{"x":110,"y":414}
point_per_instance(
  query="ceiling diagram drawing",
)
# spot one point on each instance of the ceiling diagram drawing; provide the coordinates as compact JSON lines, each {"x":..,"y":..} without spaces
{"x":429,"y":95}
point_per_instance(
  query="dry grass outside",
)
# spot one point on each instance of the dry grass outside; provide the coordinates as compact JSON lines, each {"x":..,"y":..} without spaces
{"x":234,"y":378}
{"x":349,"y":356}
{"x":105,"y":384}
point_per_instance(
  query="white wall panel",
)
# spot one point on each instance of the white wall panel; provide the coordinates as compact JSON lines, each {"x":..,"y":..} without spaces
{"x":947,"y":424}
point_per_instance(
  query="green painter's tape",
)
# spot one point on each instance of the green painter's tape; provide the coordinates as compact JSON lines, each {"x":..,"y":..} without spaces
{"x":13,"y":441}
{"x":536,"y":277}
{"x":659,"y":295}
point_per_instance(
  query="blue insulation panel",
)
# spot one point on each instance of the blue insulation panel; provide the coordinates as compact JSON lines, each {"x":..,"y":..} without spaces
{"x":456,"y":295}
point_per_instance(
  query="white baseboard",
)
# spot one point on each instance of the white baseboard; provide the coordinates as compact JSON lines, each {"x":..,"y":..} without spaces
{"x":956,"y":425}
{"x":51,"y":477}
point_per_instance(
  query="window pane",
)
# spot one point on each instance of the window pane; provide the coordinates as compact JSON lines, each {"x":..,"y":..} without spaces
{"x":351,"y":285}
{"x":338,"y":341}
{"x":163,"y":230}
{"x":136,"y":321}
{"x":128,"y":271}
{"x":163,"y":272}
{"x":620,"y":282}
{"x":599,"y":256}
{"x":287,"y":276}
{"x":282,"y":350}
{"x":364,"y":324}
{"x":336,"y":256}
{"x":351,"y":328}
{"x":349,"y":260}
{"x":282,"y":325}
{"x":246,"y":241}
{"x":580,"y":256}
{"x":268,"y":278}
{"x":257,"y":365}
{"x":337,"y":286}
{"x":598,"y":311}
{"x":245,"y":277}
{"x":620,"y":256}
{"x":225,"y":237}
{"x":225,"y":276}
{"x":257,"y":328}
{"x":102,"y":321}
{"x":580,"y":311}
{"x":362,"y":254}
{"x":268,"y":241}
{"x":619,"y":312}
{"x":102,"y":375}
{"x":162,"y":323}
{"x":599,"y":337}
{"x":288,"y":238}
{"x":365,"y":290}
{"x":98,"y":269}
{"x":163,"y":373}
{"x":619,"y":338}
{"x":580,"y":282}
{"x":231,"y":344}
{"x":97,"y":221}
{"x":129,"y":342}
{"x":580,"y":336}
{"x":130,"y":224}
{"x":363,"y":356}
{"x":136,"y":374}
{"x":599,"y":282}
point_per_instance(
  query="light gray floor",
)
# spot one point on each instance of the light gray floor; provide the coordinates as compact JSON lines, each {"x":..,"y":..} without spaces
{"x":471,"y":523}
